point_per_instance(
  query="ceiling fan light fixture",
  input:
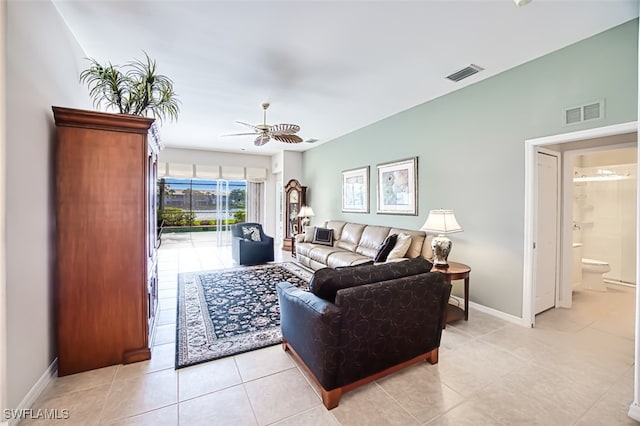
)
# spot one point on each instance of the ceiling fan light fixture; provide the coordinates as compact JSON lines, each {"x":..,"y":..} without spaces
{"x":522,"y":2}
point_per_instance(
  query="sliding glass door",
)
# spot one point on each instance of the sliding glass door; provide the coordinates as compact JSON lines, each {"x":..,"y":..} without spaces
{"x":197,"y":205}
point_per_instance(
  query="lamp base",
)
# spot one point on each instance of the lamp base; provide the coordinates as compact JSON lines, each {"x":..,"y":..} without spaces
{"x":441,"y":247}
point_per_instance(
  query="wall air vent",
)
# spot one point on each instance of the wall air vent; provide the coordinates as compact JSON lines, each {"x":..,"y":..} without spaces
{"x":586,"y":112}
{"x":464,"y":73}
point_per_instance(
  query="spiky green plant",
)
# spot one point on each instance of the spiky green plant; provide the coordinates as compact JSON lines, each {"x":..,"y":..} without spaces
{"x":134,"y":88}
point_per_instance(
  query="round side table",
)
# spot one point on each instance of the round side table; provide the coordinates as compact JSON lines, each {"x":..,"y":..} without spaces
{"x":456,"y":271}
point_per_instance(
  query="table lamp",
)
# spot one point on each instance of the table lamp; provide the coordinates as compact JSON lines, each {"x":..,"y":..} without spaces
{"x":305,"y":213}
{"x":441,"y":222}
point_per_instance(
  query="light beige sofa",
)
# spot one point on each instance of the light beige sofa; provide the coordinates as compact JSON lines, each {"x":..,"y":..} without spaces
{"x":354,"y":244}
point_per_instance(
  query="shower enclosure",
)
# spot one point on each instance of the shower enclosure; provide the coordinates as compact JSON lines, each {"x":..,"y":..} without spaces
{"x":604,"y":211}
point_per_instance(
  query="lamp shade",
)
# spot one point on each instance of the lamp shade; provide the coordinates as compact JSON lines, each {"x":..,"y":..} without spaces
{"x":306,"y":211}
{"x":441,"y":222}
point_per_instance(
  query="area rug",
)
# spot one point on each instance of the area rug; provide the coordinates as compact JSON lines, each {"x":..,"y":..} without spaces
{"x":230,"y":311}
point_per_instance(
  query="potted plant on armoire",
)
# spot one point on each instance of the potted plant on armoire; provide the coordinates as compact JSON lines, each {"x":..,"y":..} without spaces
{"x":106,"y":247}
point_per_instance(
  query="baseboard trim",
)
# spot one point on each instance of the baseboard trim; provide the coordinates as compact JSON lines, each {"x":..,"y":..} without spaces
{"x":634,"y":412}
{"x":34,"y":393}
{"x":494,"y":312}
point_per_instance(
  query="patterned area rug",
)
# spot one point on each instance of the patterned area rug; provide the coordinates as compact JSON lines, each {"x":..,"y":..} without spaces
{"x":230,"y":311}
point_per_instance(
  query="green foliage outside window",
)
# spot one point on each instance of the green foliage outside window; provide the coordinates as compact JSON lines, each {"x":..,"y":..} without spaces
{"x":175,"y":216}
{"x":240,"y":216}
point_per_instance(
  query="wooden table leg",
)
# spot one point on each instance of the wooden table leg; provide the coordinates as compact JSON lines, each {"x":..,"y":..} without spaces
{"x":466,"y":298}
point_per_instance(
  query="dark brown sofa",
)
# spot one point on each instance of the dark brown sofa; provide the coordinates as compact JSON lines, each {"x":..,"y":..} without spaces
{"x":370,"y":321}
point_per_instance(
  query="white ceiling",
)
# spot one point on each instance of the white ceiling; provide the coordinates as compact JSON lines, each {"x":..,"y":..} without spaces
{"x":329,"y":66}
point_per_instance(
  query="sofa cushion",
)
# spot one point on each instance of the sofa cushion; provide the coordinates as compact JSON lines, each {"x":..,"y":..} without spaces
{"x":427,"y":251}
{"x":343,"y":257}
{"x":326,"y":282}
{"x":385,"y":248}
{"x":350,"y":236}
{"x":304,"y":248}
{"x":399,"y":250}
{"x":321,"y":253}
{"x":417,"y":240}
{"x":337,"y":226}
{"x":322,"y":236}
{"x":372,"y":237}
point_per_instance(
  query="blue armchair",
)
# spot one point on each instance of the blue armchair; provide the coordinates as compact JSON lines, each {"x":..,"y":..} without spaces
{"x":250,"y":245}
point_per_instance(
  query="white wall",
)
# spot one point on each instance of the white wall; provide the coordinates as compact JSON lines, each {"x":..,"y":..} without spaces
{"x":42,"y":70}
{"x":285,"y":165}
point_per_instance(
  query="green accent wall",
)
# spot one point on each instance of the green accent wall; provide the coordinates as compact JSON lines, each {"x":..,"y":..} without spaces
{"x":470,"y":148}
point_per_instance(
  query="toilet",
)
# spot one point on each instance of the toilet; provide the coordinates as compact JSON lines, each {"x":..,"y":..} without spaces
{"x":592,"y":271}
{"x":576,"y":266}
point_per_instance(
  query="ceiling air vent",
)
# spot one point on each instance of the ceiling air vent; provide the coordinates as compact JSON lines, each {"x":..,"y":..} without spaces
{"x":464,"y":73}
{"x":586,"y":112}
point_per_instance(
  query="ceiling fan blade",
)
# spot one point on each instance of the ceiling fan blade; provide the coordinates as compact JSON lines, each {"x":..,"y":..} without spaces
{"x":242,"y":134}
{"x":287,"y":138}
{"x":249,"y":125}
{"x":284,"y":129}
{"x":261,"y":140}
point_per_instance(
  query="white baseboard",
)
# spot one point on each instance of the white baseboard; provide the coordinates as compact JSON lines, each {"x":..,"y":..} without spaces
{"x":34,"y":393}
{"x":634,"y":412}
{"x":494,"y":312}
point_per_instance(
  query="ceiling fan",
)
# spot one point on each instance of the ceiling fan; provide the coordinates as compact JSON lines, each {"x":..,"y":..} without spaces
{"x":280,"y":132}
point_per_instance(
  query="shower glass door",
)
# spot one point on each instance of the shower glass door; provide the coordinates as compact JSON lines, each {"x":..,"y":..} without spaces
{"x":605,"y":215}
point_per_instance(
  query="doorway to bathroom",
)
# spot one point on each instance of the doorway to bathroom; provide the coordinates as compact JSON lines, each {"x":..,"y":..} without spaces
{"x":604,"y":218}
{"x":570,"y":148}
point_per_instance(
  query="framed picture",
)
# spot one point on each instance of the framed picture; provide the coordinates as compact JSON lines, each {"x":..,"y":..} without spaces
{"x":398,"y":187}
{"x":355,"y":190}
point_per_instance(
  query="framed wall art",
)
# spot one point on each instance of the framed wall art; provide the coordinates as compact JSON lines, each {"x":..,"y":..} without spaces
{"x":398,"y":187}
{"x":355,"y":190}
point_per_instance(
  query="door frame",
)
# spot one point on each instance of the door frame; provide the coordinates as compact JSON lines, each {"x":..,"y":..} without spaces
{"x":530,"y":215}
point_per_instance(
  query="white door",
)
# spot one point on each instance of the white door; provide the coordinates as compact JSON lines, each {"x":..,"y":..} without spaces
{"x":546,"y":239}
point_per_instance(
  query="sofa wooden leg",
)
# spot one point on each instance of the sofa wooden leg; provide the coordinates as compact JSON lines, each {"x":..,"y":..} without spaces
{"x":331,"y":398}
{"x":433,"y":356}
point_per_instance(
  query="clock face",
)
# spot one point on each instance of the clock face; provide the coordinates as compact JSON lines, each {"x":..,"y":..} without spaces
{"x":293,"y":196}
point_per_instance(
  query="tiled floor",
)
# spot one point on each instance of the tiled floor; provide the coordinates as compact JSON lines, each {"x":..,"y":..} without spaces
{"x":575,"y":367}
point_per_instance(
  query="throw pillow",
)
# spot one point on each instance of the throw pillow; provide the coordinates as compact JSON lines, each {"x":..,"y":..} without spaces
{"x":322,"y":236}
{"x":385,"y":248}
{"x":308,"y":234}
{"x":401,"y":247}
{"x":251,"y":232}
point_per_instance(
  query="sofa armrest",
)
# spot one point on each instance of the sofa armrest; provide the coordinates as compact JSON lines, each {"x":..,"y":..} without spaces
{"x":267,"y":240}
{"x":311,"y":326}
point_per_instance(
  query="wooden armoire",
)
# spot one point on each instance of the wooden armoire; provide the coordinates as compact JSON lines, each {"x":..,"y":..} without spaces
{"x":106,"y":244}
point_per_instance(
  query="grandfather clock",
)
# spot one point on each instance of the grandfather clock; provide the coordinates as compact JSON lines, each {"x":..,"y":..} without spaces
{"x":295,"y":196}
